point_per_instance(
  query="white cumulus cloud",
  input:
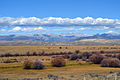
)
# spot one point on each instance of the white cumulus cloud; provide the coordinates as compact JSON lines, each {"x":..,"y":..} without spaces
{"x":19,"y":29}
{"x":58,"y":21}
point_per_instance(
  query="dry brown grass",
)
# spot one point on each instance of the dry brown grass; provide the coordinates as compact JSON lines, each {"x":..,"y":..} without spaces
{"x":15,"y":70}
{"x":24,"y":49}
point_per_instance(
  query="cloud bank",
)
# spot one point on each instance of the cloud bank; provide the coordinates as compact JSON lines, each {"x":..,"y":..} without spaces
{"x":19,"y":29}
{"x":58,"y":21}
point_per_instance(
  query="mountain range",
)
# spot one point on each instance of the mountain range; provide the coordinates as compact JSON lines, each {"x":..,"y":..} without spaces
{"x":57,"y":38}
{"x":61,"y":39}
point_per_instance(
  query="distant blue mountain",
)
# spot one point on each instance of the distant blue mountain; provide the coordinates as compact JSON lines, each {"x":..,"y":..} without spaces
{"x":57,"y":38}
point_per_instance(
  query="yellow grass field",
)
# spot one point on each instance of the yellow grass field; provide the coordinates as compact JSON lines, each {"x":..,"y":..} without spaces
{"x":24,"y":49}
{"x":15,"y":71}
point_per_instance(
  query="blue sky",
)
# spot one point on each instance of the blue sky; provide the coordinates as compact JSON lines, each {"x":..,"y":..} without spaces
{"x":96,"y":16}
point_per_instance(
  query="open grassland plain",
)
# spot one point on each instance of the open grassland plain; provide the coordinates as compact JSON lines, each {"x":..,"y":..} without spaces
{"x":47,"y":49}
{"x":74,"y":70}
{"x":14,"y":71}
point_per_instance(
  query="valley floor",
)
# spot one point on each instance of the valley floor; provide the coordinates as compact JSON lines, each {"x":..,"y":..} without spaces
{"x":14,"y":71}
{"x":73,"y":69}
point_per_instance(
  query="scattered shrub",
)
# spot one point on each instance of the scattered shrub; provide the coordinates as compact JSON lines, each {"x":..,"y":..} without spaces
{"x":60,"y":47}
{"x":108,"y":55}
{"x":105,"y":63}
{"x":2,"y":55}
{"x":84,"y":58}
{"x":28,"y":53}
{"x":102,"y":52}
{"x":57,"y":56}
{"x":86,"y":54}
{"x":53,"y":56}
{"x":70,"y":52}
{"x":27,"y":64}
{"x":61,"y":53}
{"x":39,"y":54}
{"x":16,"y":54}
{"x":58,"y":61}
{"x":66,"y":47}
{"x":34,"y":53}
{"x":38,"y":65}
{"x":114,"y":63}
{"x":66,"y":56}
{"x":8,"y":54}
{"x":110,"y":63}
{"x":93,"y":52}
{"x":118,"y":56}
{"x":77,"y":51}
{"x":73,"y":56}
{"x":43,"y":53}
{"x":96,"y":58}
{"x":7,"y":61}
{"x":105,"y":57}
{"x":114,"y":56}
{"x":10,"y":61}
{"x":80,"y":56}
